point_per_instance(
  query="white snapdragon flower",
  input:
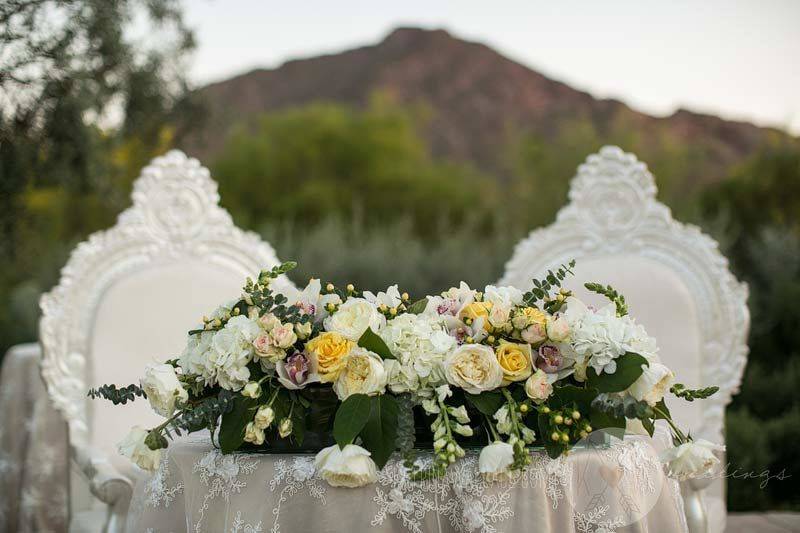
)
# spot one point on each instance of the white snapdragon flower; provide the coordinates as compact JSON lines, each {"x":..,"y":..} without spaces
{"x":353,"y":318}
{"x":163,"y":390}
{"x":349,"y":467}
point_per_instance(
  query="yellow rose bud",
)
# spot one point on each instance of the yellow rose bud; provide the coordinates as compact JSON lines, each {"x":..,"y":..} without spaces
{"x":330,"y":349}
{"x":515,"y":360}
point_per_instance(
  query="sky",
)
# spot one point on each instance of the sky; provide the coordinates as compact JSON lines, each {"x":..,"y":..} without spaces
{"x":732,"y":58}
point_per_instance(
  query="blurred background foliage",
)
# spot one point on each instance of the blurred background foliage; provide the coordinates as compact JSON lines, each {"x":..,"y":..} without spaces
{"x":354,"y":195}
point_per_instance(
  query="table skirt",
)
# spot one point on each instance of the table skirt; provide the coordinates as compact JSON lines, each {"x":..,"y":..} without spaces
{"x":617,"y":488}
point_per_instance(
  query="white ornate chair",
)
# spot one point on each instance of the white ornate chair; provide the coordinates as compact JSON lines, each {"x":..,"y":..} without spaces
{"x":676,"y":283}
{"x":127,"y":296}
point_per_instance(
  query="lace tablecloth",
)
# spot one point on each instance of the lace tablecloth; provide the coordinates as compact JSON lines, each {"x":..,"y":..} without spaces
{"x":620,"y":488}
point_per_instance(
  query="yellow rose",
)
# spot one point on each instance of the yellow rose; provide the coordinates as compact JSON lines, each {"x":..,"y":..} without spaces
{"x":527,"y":316}
{"x":515,"y":360}
{"x":330,"y":349}
{"x":477,"y":310}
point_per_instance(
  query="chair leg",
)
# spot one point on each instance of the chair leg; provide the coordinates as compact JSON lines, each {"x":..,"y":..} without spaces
{"x":694,"y":506}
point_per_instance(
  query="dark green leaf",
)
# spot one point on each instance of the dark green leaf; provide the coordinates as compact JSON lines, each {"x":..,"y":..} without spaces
{"x":231,"y":431}
{"x":418,"y":306}
{"x":372,"y":342}
{"x":350,"y":419}
{"x":570,"y":394}
{"x":380,"y":432}
{"x":629,"y":368}
{"x":487,"y":402}
{"x":602,"y":420}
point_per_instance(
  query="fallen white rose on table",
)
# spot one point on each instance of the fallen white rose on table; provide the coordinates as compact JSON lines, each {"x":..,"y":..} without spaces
{"x":692,"y":459}
{"x":134,"y":448}
{"x":349,"y":467}
{"x":495,"y":460}
{"x":163,"y":390}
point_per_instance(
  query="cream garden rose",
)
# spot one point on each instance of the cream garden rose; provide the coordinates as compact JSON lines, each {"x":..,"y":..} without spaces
{"x":134,"y":448}
{"x":362,"y":374}
{"x":353,"y":318}
{"x":474,"y":368}
{"x":515,"y":360}
{"x":349,"y":467}
{"x":329,"y":351}
{"x":538,"y":387}
{"x":163,"y":390}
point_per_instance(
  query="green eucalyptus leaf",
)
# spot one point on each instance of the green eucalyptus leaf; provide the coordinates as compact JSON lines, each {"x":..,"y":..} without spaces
{"x":350,"y":418}
{"x":629,"y":368}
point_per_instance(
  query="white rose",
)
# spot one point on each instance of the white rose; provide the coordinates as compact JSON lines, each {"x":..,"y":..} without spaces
{"x":538,"y":386}
{"x":354,"y":317}
{"x":303,"y":330}
{"x":351,"y":467}
{"x":499,"y":315}
{"x":363,"y":374}
{"x":474,"y":368}
{"x":269,"y":321}
{"x":163,"y":390}
{"x":251,"y":390}
{"x":692,"y":459}
{"x":494,"y":461}
{"x":558,"y":329}
{"x":283,"y":335}
{"x":655,"y":381}
{"x":134,"y":448}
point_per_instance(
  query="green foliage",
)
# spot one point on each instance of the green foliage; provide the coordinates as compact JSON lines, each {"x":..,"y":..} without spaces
{"x":629,"y":368}
{"x":690,"y":395}
{"x":234,"y":422}
{"x":379,"y":435}
{"x":486,"y":402}
{"x":116,"y":395}
{"x":351,"y":417}
{"x":611,"y":293}
{"x":326,"y":159}
{"x":370,"y":340}
{"x":542,"y":287}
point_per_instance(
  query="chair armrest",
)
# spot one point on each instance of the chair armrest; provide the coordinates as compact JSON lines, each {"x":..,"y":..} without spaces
{"x":107,"y":484}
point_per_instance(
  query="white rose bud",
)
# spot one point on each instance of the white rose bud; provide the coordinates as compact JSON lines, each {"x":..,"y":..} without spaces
{"x":349,"y":467}
{"x":253,"y":434}
{"x":285,"y":428}
{"x":558,"y":329}
{"x":303,"y":330}
{"x":655,"y":381}
{"x":538,"y":387}
{"x":252,"y":390}
{"x":264,"y":417}
{"x":134,"y":448}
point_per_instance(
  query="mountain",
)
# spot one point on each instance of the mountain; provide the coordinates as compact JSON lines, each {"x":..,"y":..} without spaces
{"x":479,"y":99}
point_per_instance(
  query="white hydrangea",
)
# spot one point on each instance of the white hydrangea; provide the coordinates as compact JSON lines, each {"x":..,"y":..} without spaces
{"x":222,"y":356}
{"x":420,"y":344}
{"x":599,"y":337}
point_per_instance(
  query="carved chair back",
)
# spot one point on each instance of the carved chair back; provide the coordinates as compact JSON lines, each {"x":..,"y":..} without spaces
{"x":128,"y":295}
{"x":674,"y":278}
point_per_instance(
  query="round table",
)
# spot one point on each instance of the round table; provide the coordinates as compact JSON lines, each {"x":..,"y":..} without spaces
{"x":616,"y":488}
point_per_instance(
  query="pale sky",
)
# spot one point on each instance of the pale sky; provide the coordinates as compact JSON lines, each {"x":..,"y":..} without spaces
{"x":734,"y":58}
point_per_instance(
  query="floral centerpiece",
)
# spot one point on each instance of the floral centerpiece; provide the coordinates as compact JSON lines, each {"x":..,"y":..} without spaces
{"x":358,"y":376}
